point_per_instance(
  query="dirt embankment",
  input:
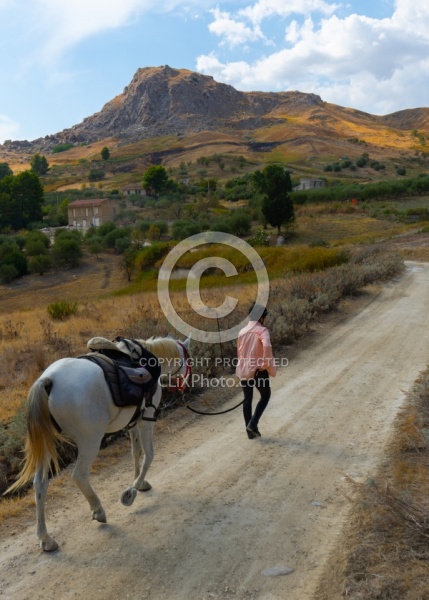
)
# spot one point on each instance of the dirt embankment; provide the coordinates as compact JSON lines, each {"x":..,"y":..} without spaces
{"x":225,"y":511}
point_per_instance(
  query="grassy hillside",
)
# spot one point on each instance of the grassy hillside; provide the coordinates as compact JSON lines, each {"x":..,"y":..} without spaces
{"x":305,"y":141}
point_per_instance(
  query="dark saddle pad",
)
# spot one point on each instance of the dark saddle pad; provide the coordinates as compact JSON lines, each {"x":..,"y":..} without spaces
{"x":129,"y":383}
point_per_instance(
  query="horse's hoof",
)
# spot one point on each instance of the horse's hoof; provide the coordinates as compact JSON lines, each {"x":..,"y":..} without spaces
{"x":49,"y":546}
{"x":128,"y":497}
{"x":145,"y":487}
{"x":99,"y":515}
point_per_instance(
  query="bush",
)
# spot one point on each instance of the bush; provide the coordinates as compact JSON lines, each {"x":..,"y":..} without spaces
{"x":62,"y":310}
{"x":8,"y":273}
{"x":96,"y":175}
{"x":11,"y":255}
{"x":36,"y":240}
{"x":39,"y":264}
{"x":261,"y":238}
{"x":183,"y":229}
{"x":239,"y":223}
{"x":106,"y":228}
{"x":35,"y":248}
{"x":122,"y":244}
{"x":148,"y":257}
{"x":291,"y":320}
{"x":66,"y":252}
{"x":111,"y":238}
{"x":62,"y":148}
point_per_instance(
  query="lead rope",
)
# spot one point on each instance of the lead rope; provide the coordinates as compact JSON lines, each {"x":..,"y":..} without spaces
{"x":212,"y":414}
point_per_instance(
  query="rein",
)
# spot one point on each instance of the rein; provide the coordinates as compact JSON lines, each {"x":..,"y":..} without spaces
{"x":212,"y":414}
{"x":182,"y":386}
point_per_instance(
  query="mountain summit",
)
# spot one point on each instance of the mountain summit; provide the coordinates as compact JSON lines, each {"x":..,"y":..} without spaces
{"x":162,"y":101}
{"x":166,"y":101}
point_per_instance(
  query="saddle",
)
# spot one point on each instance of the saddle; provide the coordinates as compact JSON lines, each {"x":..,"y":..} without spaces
{"x":130,"y":384}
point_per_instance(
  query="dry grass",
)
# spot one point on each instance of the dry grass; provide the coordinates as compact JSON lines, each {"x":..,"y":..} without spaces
{"x":386,"y":546}
{"x":417,"y":254}
{"x":342,"y":227}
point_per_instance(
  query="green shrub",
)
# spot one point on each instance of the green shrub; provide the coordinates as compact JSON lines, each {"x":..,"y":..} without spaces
{"x":261,"y":238}
{"x":96,"y":175}
{"x":62,"y":309}
{"x":66,"y":252}
{"x":149,"y":256}
{"x":8,"y":273}
{"x":39,"y":264}
{"x":62,"y":148}
{"x":11,"y":255}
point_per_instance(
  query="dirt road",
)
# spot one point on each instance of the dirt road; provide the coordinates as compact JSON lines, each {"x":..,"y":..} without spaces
{"x":225,"y":509}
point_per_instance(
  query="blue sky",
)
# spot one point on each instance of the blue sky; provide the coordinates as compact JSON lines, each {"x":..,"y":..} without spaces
{"x":62,"y":60}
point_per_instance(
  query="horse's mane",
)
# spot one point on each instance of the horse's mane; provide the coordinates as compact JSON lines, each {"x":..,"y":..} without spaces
{"x":162,"y":347}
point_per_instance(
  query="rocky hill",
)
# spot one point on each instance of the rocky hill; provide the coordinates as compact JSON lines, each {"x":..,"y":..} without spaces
{"x":165,"y":101}
{"x":185,"y":105}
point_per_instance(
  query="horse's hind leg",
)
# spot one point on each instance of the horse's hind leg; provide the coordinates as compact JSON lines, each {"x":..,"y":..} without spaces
{"x":87,"y":454}
{"x":47,"y":543}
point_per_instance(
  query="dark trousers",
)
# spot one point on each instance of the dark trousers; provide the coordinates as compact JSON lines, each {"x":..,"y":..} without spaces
{"x":261,"y":382}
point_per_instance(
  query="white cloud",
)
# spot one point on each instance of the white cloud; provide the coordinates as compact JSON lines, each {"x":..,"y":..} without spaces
{"x":8,"y":128}
{"x":376,"y":64}
{"x":71,"y":21}
{"x":234,"y":32}
{"x":412,"y":16}
{"x":68,"y":22}
{"x":264,"y":9}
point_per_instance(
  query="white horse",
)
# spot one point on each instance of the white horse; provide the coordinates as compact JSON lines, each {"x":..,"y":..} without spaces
{"x":73,"y":394}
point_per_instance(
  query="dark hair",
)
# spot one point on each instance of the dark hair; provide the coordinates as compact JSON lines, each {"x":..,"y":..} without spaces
{"x":257,"y":311}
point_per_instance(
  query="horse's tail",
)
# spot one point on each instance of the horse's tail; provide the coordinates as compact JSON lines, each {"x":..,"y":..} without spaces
{"x":42,"y":436}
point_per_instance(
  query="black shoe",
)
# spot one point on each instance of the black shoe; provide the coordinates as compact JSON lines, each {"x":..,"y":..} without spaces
{"x":250,"y":434}
{"x":252,"y":430}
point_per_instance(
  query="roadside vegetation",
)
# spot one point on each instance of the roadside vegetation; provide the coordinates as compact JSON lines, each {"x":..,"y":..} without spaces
{"x":386,"y":552}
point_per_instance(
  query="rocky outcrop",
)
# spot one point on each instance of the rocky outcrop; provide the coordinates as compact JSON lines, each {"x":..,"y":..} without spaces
{"x":163,"y":101}
{"x":166,"y":101}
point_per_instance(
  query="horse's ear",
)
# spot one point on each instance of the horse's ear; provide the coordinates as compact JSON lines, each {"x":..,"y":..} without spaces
{"x":187,"y":342}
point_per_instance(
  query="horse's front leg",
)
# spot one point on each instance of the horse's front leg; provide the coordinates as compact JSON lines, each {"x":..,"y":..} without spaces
{"x":136,"y":449}
{"x":47,"y":543}
{"x":141,"y":439}
{"x":146,"y":437}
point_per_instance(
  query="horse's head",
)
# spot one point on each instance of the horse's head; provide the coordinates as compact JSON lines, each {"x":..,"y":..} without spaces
{"x":180,"y":380}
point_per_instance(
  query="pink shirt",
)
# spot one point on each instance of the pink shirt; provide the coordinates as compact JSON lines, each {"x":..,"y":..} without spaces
{"x":254,"y":351}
